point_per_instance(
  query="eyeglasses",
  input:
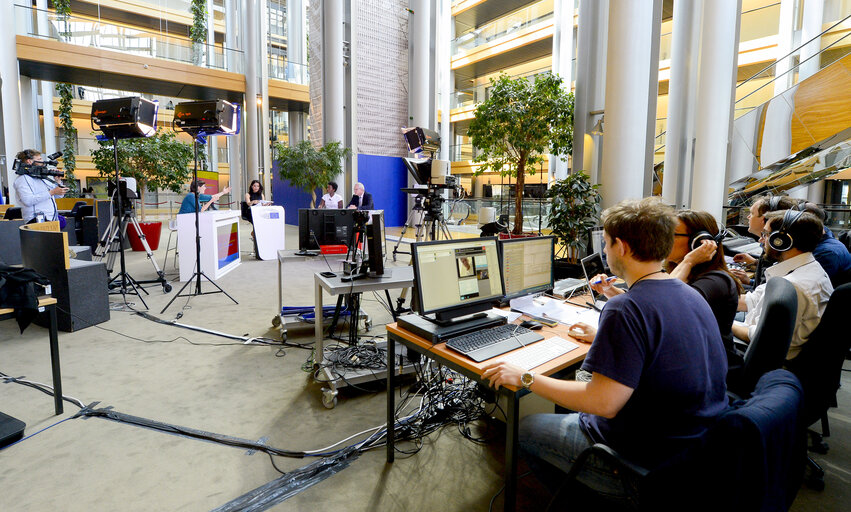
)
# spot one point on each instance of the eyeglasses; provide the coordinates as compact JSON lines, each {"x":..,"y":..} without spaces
{"x":681,"y":234}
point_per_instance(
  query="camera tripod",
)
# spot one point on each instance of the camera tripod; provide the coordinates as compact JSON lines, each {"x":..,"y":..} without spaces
{"x":428,"y":221}
{"x":111,"y":244}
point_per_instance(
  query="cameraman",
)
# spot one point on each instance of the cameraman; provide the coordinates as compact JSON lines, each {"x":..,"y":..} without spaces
{"x":37,"y":194}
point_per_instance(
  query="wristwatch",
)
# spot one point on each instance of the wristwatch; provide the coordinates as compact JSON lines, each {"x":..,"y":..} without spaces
{"x":527,"y":378}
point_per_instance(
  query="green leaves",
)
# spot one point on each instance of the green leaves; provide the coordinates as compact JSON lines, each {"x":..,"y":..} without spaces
{"x":198,"y":29}
{"x":308,"y":168}
{"x":69,"y":135}
{"x":574,"y":211}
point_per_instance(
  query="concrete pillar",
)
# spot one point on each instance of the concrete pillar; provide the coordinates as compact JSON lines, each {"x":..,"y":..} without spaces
{"x":235,"y":163}
{"x":46,"y":87}
{"x":264,"y":134}
{"x":297,"y":127}
{"x":810,"y":65}
{"x":444,"y":35}
{"x":785,"y":36}
{"x":592,"y":31}
{"x":685,"y":38}
{"x":715,"y":98}
{"x":296,"y":47}
{"x":29,"y":114}
{"x":562,"y":66}
{"x":334,"y":73}
{"x":252,"y":112}
{"x":632,"y":66}
{"x":11,"y":100}
{"x":421,"y":90}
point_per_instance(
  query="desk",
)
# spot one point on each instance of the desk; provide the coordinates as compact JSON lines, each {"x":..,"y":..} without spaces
{"x":50,"y":304}
{"x":473,"y":370}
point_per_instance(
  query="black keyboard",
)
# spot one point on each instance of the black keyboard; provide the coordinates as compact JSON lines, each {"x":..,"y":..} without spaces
{"x":485,"y":344}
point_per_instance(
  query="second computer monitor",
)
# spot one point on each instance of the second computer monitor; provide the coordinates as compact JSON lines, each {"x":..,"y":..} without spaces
{"x":527,"y":265}
{"x":456,"y":277}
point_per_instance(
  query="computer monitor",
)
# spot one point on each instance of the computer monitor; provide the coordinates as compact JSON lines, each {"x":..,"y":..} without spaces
{"x":454,"y":278}
{"x":374,"y":245}
{"x":591,"y":266}
{"x":527,"y":265}
{"x":323,"y":226}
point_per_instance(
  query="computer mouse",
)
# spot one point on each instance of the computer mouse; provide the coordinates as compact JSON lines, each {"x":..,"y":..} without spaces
{"x":531,"y":324}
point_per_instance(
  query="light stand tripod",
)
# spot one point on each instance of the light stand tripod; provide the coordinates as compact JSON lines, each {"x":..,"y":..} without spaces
{"x":198,"y":137}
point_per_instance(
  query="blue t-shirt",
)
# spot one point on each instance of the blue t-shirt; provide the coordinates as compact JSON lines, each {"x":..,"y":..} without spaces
{"x":832,"y":255}
{"x":188,"y":204}
{"x":662,"y":340}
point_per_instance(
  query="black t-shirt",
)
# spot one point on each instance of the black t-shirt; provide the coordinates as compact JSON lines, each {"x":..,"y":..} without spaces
{"x":661,"y":340}
{"x":255,"y":196}
{"x":719,"y":290}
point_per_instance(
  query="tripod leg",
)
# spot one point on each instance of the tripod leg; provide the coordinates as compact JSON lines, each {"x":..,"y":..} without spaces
{"x":160,"y":274}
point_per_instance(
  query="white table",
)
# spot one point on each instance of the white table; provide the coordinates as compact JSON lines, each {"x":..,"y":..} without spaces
{"x":219,"y":232}
{"x":268,"y":230}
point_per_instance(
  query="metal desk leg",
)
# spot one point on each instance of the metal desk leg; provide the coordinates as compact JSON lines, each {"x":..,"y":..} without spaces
{"x":391,"y":398}
{"x":511,"y":449}
{"x":319,"y":352}
{"x":54,"y":362}
{"x":390,"y":304}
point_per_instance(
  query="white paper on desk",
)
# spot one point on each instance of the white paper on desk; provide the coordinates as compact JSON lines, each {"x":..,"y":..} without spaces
{"x":510,"y":315}
{"x":556,"y":310}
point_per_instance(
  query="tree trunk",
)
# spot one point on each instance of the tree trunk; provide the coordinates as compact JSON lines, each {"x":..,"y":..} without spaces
{"x":518,"y":197}
{"x":313,"y":198}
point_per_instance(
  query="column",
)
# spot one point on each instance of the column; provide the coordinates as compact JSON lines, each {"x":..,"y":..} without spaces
{"x":334,"y":82}
{"x":562,"y":66}
{"x":29,"y":124}
{"x":235,"y":163}
{"x":263,"y":137}
{"x":252,"y":147}
{"x":682,"y":86}
{"x":296,"y":54}
{"x":295,"y":120}
{"x":46,"y":87}
{"x":715,"y":100}
{"x":11,"y":101}
{"x":810,"y":65}
{"x":592,"y":31}
{"x":632,"y":66}
{"x":421,"y":89}
{"x":785,"y":35}
{"x":444,"y":35}
{"x":210,"y":50}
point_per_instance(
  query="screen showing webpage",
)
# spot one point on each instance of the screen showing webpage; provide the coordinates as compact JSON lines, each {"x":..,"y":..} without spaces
{"x":456,"y":273}
{"x":527,"y":266}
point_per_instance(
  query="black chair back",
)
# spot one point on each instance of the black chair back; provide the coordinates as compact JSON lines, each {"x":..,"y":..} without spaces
{"x":13,"y":213}
{"x":819,"y":364}
{"x":768,"y":347}
{"x":76,"y":207}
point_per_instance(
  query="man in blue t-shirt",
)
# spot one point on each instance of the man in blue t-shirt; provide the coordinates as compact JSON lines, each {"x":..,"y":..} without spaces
{"x":657,"y":363}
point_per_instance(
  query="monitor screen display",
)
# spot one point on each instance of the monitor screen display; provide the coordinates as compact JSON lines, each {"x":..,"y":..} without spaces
{"x":456,"y":273}
{"x":527,"y":265}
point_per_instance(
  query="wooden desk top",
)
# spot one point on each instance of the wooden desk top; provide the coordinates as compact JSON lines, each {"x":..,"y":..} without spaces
{"x":42,"y":301}
{"x":574,"y":356}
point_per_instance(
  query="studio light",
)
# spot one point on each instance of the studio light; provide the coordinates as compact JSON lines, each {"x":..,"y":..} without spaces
{"x":125,"y":118}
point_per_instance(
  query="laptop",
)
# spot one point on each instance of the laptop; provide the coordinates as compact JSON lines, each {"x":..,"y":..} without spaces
{"x":591,"y":266}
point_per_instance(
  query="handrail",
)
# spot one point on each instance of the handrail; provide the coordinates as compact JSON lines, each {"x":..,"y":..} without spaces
{"x":796,"y":50}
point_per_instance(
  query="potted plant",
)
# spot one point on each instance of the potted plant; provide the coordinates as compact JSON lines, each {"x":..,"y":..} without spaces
{"x":574,"y":211}
{"x":517,"y":125}
{"x":309,"y":168}
{"x":159,"y":162}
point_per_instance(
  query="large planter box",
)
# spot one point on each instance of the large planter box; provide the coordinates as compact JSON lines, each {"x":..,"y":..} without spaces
{"x":151,"y":230}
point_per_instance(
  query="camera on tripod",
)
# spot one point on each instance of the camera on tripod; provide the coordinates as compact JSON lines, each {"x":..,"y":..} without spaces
{"x":126,"y":194}
{"x":44,"y":169}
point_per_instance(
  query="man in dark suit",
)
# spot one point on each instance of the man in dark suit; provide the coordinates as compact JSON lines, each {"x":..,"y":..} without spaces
{"x":361,"y":200}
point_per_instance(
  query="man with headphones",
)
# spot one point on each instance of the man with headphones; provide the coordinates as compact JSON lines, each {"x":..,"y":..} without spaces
{"x":756,"y":222}
{"x":830,"y":252}
{"x":788,"y":239}
{"x":37,"y":196}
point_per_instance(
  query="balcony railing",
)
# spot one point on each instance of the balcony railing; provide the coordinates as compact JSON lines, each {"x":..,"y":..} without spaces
{"x":282,"y":69}
{"x":475,"y":95}
{"x":505,"y":26}
{"x":82,"y":31}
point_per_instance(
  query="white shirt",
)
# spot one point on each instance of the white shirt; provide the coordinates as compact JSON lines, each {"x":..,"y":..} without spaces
{"x":34,"y":196}
{"x":332,"y":202}
{"x":812,"y":287}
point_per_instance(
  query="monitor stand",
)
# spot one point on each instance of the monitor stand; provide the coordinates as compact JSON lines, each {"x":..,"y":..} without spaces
{"x":437,"y":332}
{"x":304,"y":252}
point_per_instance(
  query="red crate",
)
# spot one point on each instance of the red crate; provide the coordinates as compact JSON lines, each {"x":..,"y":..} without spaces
{"x":333,"y":249}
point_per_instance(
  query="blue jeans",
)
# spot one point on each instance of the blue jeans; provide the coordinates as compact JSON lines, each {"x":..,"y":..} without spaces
{"x":552,"y":442}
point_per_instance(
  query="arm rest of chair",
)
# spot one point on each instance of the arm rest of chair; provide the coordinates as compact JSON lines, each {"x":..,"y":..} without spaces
{"x":609,"y":455}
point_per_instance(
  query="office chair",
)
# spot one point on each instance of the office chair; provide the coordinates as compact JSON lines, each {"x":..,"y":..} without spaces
{"x":750,"y":458}
{"x":76,"y":207}
{"x":13,"y":213}
{"x":819,"y":367}
{"x":767,"y":350}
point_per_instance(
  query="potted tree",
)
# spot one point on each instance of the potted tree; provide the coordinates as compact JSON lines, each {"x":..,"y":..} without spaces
{"x":574,"y":211}
{"x":159,"y":161}
{"x":519,"y":123}
{"x":309,"y":168}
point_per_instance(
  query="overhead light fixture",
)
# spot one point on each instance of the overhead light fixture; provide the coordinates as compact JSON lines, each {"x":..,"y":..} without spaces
{"x":598,"y":128}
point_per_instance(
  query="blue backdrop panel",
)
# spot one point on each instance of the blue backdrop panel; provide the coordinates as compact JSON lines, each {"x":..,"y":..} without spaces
{"x":382,"y":176}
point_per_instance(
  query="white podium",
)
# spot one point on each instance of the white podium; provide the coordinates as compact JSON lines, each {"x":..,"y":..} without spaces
{"x":268,"y":230}
{"x":219,"y":243}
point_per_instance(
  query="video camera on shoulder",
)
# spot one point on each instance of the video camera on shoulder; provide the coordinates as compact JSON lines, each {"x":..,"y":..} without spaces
{"x":44,"y":169}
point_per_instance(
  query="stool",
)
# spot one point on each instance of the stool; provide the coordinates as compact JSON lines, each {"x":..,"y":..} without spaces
{"x":172,"y":228}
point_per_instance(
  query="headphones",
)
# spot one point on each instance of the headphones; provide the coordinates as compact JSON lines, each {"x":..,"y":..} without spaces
{"x":774,"y":203}
{"x":781,"y":240}
{"x":696,"y":239}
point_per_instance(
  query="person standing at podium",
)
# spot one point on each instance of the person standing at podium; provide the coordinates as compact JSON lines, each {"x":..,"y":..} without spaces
{"x":188,"y":204}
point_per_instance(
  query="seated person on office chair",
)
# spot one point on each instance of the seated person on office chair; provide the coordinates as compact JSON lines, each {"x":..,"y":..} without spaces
{"x":657,"y":363}
{"x":831,"y":254}
{"x":756,"y":221}
{"x":331,"y":200}
{"x":38,"y":195}
{"x":188,"y":204}
{"x":788,"y":239}
{"x":705,"y":270}
{"x":361,"y":200}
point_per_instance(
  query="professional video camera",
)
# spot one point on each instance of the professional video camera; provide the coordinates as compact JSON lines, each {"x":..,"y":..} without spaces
{"x":42,"y":170}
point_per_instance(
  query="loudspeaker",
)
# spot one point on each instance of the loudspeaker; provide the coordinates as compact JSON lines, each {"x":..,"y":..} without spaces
{"x":781,"y":240}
